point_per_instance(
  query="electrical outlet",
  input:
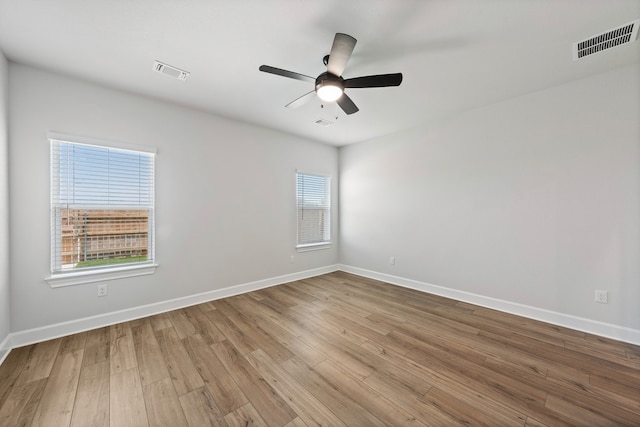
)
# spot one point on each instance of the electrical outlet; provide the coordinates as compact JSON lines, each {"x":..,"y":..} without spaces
{"x":102,"y":290}
{"x":292,"y":259}
{"x":601,"y":297}
{"x":392,"y":260}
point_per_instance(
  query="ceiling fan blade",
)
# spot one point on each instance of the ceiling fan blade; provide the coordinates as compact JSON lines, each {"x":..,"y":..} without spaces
{"x":347,"y":104}
{"x":299,"y":102}
{"x":285,"y":73}
{"x":380,"y":80}
{"x":341,"y":50}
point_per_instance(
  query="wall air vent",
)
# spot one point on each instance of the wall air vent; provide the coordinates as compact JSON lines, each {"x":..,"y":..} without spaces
{"x":170,"y":71}
{"x":618,"y":36}
{"x":324,"y":123}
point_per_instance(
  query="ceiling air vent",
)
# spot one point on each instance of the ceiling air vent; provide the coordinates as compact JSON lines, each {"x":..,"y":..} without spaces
{"x":615,"y":37}
{"x":170,"y":71}
{"x":324,"y":123}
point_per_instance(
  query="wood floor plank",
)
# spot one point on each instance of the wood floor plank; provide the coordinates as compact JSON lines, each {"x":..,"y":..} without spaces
{"x":285,"y":337}
{"x":291,"y":291}
{"x":341,"y":403}
{"x":516,"y":364}
{"x":126,"y":400}
{"x":226,"y":394}
{"x":459,"y":410}
{"x":282,"y":296}
{"x":331,"y":324}
{"x":40,"y":361}
{"x":273,"y":303}
{"x":245,"y":416}
{"x":21,"y":404}
{"x":601,"y":351}
{"x":296,"y":422}
{"x":459,"y":370}
{"x":91,"y":407}
{"x":97,"y":346}
{"x":581,"y":383}
{"x":357,"y":360}
{"x":561,"y":355}
{"x":163,"y":406}
{"x":206,"y":306}
{"x":622,"y":377}
{"x":532,"y":422}
{"x":151,"y":362}
{"x":578,"y":414}
{"x":200,"y":409}
{"x":56,"y":403}
{"x":122,"y":354}
{"x":274,"y":410}
{"x":406,"y":398}
{"x":11,"y":370}
{"x":407,"y":376}
{"x":299,"y":322}
{"x":239,"y":338}
{"x":258,"y":312}
{"x":73,"y":343}
{"x":160,"y":321}
{"x":363,"y":330}
{"x":254,"y":331}
{"x":183,"y":372}
{"x":181,"y":323}
{"x":364,"y":321}
{"x":610,"y":385}
{"x":305,"y":404}
{"x":372,"y":401}
{"x":397,"y":378}
{"x":203,"y":325}
{"x":497,"y":396}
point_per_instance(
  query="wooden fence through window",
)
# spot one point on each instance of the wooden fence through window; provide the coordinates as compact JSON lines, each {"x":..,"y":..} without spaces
{"x":94,"y":234}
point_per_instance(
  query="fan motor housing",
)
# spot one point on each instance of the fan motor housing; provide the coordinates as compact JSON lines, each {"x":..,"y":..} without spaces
{"x":327,"y":78}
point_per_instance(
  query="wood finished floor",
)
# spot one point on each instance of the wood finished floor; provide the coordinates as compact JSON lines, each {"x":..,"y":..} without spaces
{"x":335,"y":350}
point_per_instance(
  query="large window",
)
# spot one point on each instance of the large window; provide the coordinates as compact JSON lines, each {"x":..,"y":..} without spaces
{"x":102,"y":207}
{"x":314,"y":209}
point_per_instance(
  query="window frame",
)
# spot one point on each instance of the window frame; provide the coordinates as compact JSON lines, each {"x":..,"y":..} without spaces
{"x":325,"y":244}
{"x":107,"y":272}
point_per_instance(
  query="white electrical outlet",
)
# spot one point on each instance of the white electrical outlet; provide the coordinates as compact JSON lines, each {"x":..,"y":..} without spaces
{"x":292,"y":259}
{"x":601,"y":297}
{"x":102,"y":290}
{"x":392,"y":260}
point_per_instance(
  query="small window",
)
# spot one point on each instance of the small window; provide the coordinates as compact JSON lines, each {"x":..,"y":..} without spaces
{"x":314,"y":209}
{"x":102,"y":207}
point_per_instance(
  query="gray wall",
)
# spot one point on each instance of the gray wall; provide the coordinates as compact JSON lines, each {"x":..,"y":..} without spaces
{"x":225,"y":196}
{"x":534,"y":201}
{"x":5,"y":327}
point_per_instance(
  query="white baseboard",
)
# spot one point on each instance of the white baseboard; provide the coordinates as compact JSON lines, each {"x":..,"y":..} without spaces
{"x":44,"y":333}
{"x":608,"y":330}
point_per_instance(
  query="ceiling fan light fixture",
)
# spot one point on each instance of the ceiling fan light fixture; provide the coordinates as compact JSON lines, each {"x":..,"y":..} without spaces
{"x":329,"y":92}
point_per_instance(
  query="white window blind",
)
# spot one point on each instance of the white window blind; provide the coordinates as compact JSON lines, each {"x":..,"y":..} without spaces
{"x":102,"y":206}
{"x":314,"y":209}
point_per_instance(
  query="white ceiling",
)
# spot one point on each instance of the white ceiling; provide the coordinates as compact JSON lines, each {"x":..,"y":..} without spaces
{"x":454,"y":54}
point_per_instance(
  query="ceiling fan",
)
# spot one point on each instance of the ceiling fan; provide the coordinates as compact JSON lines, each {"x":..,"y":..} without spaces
{"x":330,"y":86}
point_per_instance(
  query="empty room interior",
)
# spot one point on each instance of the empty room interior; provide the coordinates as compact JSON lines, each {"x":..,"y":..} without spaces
{"x":292,"y":213}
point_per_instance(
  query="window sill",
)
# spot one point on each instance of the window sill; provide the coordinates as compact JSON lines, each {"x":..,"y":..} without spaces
{"x":313,"y":247}
{"x":59,"y":280}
